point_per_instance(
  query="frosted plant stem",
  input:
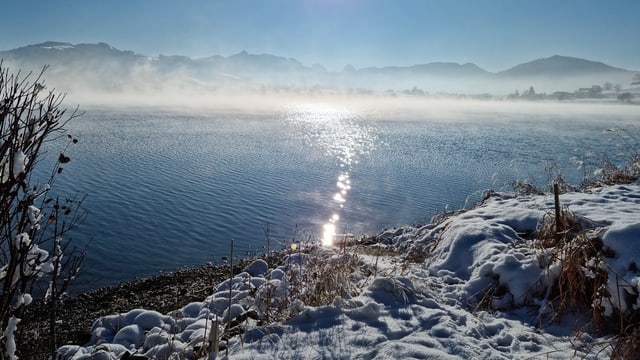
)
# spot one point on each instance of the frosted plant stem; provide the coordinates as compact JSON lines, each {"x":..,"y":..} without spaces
{"x":230,"y":293}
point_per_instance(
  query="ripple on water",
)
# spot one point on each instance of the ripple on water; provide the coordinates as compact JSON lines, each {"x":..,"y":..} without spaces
{"x":166,"y":190}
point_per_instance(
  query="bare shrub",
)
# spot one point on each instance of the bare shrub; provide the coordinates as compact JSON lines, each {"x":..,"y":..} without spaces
{"x":35,"y":256}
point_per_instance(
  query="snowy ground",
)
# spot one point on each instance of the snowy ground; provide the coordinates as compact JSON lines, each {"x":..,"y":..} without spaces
{"x":421,"y":294}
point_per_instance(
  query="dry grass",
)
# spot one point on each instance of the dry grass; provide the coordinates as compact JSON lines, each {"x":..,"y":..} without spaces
{"x":612,"y":174}
{"x":625,"y":142}
{"x":314,"y":276}
{"x":489,"y":294}
{"x":627,"y":346}
{"x":550,"y":234}
{"x":581,"y":284}
{"x":581,"y":279}
{"x":328,"y":277}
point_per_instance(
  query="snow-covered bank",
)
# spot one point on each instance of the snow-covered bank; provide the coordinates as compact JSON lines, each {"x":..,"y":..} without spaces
{"x":475,"y":285}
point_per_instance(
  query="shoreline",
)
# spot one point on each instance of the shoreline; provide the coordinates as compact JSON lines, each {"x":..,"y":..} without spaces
{"x":75,"y":314}
{"x":454,"y":288}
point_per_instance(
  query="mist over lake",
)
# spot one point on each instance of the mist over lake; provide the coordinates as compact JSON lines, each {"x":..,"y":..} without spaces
{"x":171,"y":188}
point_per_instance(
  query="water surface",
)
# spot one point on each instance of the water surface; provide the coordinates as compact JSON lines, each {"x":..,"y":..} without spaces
{"x":168,"y":189}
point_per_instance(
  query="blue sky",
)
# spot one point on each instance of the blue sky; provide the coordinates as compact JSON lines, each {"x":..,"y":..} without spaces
{"x":494,"y":34}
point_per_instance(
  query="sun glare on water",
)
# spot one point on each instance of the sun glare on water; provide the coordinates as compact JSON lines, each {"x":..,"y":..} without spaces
{"x":343,"y":135}
{"x":328,"y":234}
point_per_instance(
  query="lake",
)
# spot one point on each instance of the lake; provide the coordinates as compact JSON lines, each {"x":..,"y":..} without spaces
{"x":168,"y":189}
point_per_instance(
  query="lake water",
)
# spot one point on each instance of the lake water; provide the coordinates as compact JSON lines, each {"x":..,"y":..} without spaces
{"x":169,"y":189}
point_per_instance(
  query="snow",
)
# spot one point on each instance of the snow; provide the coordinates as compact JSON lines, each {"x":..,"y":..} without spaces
{"x":35,"y":262}
{"x":59,"y":47}
{"x":10,"y":345}
{"x":20,"y":162}
{"x":418,"y":294}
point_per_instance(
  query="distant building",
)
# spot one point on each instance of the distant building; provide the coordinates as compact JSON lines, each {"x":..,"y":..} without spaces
{"x":593,"y":91}
{"x":562,"y":95}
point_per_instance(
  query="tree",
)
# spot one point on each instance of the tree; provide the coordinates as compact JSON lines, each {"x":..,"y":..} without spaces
{"x":35,"y":258}
{"x":607,"y":86}
{"x":636,"y":79}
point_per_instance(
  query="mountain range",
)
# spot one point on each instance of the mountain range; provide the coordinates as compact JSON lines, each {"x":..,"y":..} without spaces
{"x":101,"y":67}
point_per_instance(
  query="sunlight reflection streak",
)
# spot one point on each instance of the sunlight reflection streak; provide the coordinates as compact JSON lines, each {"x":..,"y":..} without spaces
{"x":343,"y":137}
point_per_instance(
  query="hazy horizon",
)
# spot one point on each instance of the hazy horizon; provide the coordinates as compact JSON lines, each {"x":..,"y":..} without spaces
{"x":494,"y":35}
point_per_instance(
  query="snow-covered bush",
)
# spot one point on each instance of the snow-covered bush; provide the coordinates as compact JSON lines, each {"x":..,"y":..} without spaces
{"x":34,"y":256}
